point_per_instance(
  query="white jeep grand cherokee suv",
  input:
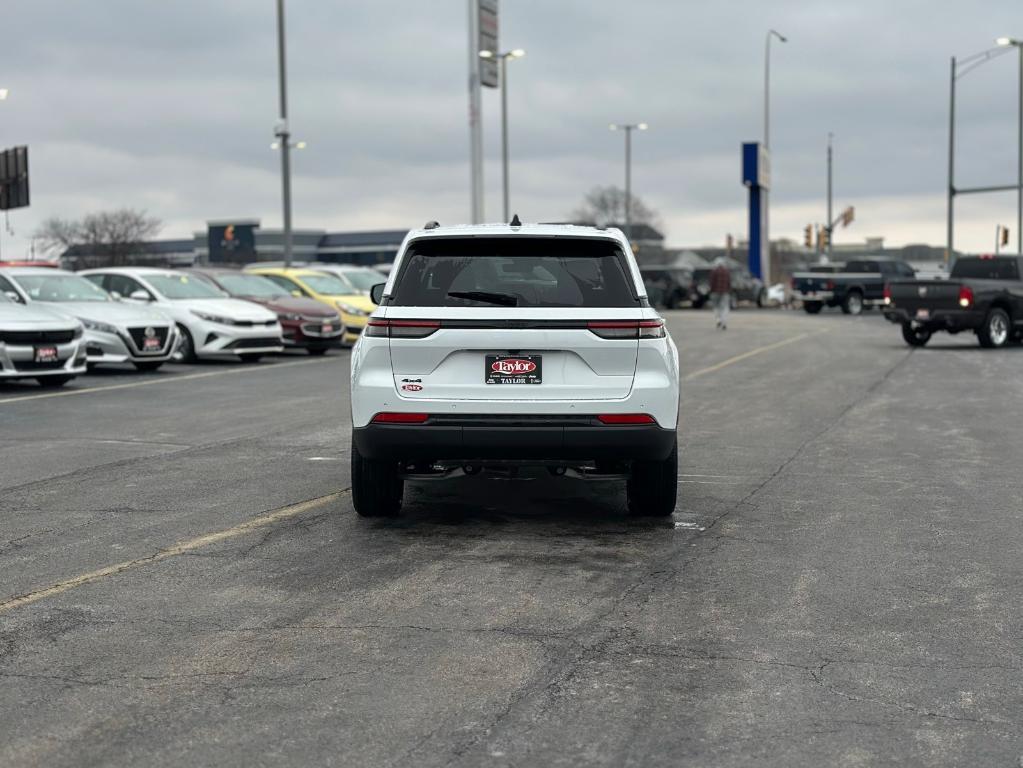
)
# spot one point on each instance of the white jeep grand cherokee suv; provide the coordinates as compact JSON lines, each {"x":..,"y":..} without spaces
{"x":514,"y":345}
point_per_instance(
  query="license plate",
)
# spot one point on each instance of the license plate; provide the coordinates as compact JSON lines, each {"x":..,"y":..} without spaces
{"x":513,"y":369}
{"x":46,"y":354}
{"x":151,"y":345}
{"x":327,"y":328}
{"x":923,"y":314}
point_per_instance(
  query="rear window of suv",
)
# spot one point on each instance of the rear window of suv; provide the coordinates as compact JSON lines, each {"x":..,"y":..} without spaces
{"x":986,"y":269}
{"x":514,"y":272}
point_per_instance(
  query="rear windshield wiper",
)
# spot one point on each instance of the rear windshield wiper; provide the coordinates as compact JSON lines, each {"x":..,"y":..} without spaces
{"x":504,"y":299}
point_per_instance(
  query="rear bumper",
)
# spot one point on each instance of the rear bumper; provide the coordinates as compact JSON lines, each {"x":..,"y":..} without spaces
{"x":940,"y":320}
{"x":495,"y":438}
{"x":824,"y":297}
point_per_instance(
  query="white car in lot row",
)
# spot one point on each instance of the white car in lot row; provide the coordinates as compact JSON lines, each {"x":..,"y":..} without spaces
{"x":210,"y":322}
{"x":514,"y":345}
{"x":115,"y":332}
{"x":37,"y":343}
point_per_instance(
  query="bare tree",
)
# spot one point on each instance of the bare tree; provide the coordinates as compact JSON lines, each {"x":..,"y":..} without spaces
{"x":606,"y":205}
{"x":112,"y":236}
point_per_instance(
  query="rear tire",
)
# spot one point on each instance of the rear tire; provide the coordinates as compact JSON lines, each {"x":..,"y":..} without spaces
{"x":652,"y":488}
{"x":915,"y":337}
{"x":812,"y":307}
{"x":377,"y":488}
{"x":698,"y":303}
{"x":852,"y":304}
{"x":762,"y":298}
{"x":147,"y":365}
{"x":996,"y":329}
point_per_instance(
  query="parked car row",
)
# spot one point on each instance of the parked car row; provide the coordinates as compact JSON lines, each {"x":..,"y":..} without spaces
{"x":670,"y":286}
{"x":54,"y":323}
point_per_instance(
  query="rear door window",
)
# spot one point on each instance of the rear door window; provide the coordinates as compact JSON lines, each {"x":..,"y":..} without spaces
{"x":514,"y":272}
{"x":986,"y":269}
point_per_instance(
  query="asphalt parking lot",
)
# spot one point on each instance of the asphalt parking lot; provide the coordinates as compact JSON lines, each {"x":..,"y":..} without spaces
{"x":184,"y":581}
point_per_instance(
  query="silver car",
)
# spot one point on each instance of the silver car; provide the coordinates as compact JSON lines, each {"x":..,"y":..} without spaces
{"x":38,"y":343}
{"x":115,"y":331}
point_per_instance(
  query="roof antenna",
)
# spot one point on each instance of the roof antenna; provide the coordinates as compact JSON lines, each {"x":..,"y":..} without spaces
{"x":515,"y":221}
{"x":431,"y":225}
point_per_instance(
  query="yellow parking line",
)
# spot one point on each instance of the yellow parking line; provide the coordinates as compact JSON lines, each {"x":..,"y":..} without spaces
{"x":180,"y":548}
{"x":751,"y":353}
{"x":161,"y":380}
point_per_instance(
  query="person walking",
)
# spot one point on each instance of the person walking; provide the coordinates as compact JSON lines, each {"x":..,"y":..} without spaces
{"x":721,"y":291}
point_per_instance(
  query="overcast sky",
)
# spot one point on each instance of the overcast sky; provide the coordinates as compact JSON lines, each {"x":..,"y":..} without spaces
{"x":170,"y":107}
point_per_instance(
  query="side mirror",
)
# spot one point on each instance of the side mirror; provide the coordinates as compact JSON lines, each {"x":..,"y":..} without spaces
{"x":139,"y":295}
{"x":13,"y":296}
{"x":376,"y":293}
{"x":297,"y":293}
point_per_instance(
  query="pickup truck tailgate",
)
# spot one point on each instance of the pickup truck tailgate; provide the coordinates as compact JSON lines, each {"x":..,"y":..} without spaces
{"x":926,"y":295}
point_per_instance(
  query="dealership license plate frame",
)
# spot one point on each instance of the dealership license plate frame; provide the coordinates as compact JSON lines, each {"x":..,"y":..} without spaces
{"x":46,"y":355}
{"x":524,"y":379}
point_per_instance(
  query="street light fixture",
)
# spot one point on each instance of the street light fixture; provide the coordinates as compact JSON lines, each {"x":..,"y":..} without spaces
{"x":516,"y":53}
{"x":960,"y":68}
{"x":767,"y":83}
{"x":3,"y":93}
{"x":628,"y":128}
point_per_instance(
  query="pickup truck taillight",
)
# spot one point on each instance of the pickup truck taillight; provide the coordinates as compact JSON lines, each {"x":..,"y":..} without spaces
{"x":401,"y":329}
{"x":887,"y":294}
{"x":831,"y":285}
{"x":965,"y":296}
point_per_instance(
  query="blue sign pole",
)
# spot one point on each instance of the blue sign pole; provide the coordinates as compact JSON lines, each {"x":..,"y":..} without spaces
{"x":756,"y":176}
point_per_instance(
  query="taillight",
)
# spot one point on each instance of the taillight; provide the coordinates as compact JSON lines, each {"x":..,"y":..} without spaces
{"x":887,"y":294}
{"x":400,"y":418}
{"x":627,"y":329}
{"x":401,"y":329}
{"x":965,"y":296}
{"x":830,"y":285}
{"x":626,"y":418}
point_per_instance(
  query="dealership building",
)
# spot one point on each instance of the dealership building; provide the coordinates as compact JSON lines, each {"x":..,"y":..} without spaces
{"x":243,"y":241}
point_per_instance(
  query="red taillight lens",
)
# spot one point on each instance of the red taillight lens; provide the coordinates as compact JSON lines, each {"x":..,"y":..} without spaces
{"x":887,"y":294}
{"x":831,"y":285}
{"x":626,"y":418}
{"x":400,"y":418}
{"x":965,"y":296}
{"x":627,"y":329}
{"x":401,"y":329}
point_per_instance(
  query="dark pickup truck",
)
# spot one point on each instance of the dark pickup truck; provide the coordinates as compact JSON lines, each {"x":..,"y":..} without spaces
{"x":982,"y":294}
{"x":859,"y":284}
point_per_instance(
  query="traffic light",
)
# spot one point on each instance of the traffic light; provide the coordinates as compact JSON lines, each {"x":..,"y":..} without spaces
{"x":1005,"y":236}
{"x":848,"y":215}
{"x":823,"y":237}
{"x":808,"y":236}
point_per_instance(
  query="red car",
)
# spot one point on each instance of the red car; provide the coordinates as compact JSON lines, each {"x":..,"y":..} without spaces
{"x":307,"y":324}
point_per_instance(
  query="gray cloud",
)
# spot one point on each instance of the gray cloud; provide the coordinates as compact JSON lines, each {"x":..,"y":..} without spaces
{"x":170,"y":106}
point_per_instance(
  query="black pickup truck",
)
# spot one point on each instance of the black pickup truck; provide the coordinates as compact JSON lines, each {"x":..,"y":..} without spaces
{"x":857,"y":285}
{"x":983,"y":294}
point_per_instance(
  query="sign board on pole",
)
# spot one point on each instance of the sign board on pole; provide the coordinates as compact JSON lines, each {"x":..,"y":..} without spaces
{"x":14,"y":178}
{"x":489,"y":74}
{"x":231,"y":243}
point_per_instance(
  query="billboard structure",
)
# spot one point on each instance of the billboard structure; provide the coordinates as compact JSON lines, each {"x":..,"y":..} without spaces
{"x":14,"y":178}
{"x":489,"y":74}
{"x":231,"y":242}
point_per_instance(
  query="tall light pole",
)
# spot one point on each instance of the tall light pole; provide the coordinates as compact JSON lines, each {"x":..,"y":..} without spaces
{"x":960,"y":68}
{"x":1003,"y":41}
{"x":517,"y":53}
{"x":765,"y":236}
{"x":628,"y":128}
{"x":829,"y":219}
{"x":283,"y":134}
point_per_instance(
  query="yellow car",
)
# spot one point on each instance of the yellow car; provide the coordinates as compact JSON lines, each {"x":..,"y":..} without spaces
{"x":355,"y":308}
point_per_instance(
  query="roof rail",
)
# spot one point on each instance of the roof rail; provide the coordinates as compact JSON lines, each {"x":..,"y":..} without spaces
{"x":431,"y":225}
